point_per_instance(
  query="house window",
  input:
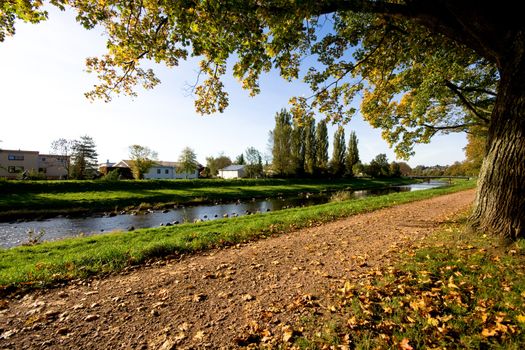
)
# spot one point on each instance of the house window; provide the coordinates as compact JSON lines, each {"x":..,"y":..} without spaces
{"x":15,"y":157}
{"x":158,"y":171}
{"x":167,"y":171}
{"x":43,"y":159}
{"x":15,"y":169}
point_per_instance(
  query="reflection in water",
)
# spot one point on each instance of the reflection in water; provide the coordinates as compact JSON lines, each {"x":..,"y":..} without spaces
{"x":12,"y":234}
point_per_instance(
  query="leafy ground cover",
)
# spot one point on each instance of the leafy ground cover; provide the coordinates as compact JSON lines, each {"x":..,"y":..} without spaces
{"x":45,"y":198}
{"x":457,"y":290}
{"x":54,"y":262}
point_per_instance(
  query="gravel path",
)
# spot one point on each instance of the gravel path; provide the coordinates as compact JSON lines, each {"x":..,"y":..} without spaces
{"x":217,"y":299}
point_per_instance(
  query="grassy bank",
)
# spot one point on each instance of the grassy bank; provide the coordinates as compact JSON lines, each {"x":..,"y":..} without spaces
{"x":52,"y":262}
{"x":457,"y":290}
{"x":22,"y":199}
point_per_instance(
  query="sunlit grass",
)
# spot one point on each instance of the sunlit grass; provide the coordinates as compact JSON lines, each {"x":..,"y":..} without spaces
{"x":40,"y":197}
{"x":51,"y":262}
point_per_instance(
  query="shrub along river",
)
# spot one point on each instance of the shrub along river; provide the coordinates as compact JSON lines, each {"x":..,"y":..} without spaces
{"x":20,"y":232}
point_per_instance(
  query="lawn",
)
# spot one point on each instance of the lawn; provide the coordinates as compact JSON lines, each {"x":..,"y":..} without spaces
{"x":23,"y":199}
{"x":53,"y":262}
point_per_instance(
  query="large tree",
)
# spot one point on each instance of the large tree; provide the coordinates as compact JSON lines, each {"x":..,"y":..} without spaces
{"x":423,"y":67}
{"x":84,"y":158}
{"x":143,"y":159}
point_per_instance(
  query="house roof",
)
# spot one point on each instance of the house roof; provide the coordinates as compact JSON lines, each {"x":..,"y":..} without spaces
{"x":18,"y":151}
{"x":233,"y":167}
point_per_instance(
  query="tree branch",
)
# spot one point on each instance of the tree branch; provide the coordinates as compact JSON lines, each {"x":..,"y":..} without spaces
{"x":456,"y":90}
{"x":450,"y":127}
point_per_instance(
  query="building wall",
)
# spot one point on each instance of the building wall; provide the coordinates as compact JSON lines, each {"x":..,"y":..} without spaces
{"x":54,"y":166}
{"x":159,"y":172}
{"x":164,"y":172}
{"x":14,"y":163}
{"x":231,"y":174}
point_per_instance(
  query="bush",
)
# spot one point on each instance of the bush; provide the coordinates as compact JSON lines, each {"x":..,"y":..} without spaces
{"x":113,"y":175}
{"x":33,"y":175}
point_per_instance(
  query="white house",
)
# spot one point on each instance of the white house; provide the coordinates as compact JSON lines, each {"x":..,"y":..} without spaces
{"x":161,"y":170}
{"x":169,"y":170}
{"x":232,"y":172}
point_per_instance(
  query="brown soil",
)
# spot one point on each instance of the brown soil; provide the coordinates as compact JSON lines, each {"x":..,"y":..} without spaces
{"x":221,"y":298}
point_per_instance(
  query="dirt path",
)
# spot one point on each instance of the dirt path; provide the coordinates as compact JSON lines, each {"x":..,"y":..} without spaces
{"x":215,"y":300}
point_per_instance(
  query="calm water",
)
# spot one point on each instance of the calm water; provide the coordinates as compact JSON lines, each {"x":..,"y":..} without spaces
{"x":12,"y":234}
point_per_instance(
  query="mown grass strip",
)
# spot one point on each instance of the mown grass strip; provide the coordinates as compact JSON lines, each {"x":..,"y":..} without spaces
{"x":51,"y":262}
{"x":459,"y":290}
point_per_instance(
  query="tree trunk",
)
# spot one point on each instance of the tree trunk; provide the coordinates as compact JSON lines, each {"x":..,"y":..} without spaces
{"x":500,"y":199}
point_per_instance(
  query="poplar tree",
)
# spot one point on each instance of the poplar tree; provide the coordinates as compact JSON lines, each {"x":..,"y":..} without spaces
{"x":352,"y":154}
{"x":297,"y":149}
{"x":337,"y":163}
{"x":282,"y":142}
{"x":321,"y":151}
{"x":309,"y":146}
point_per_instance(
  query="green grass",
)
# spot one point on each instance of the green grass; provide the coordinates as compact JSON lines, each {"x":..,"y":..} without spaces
{"x":458,"y":290}
{"x":33,"y":198}
{"x":52,"y":262}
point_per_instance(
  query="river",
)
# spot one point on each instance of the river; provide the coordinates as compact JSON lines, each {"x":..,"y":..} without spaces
{"x":17,"y":233}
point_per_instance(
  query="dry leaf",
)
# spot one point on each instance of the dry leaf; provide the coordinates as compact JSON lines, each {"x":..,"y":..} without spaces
{"x":287,"y":333}
{"x":403,"y":345}
{"x":199,"y":335}
{"x":247,"y":297}
{"x":488,"y":332}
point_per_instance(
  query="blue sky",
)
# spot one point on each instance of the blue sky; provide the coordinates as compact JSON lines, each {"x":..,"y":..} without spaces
{"x":43,"y":81}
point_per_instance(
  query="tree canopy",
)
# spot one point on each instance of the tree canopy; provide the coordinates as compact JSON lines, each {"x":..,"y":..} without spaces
{"x":143,"y":159}
{"x":187,"y":161}
{"x":421,"y":67}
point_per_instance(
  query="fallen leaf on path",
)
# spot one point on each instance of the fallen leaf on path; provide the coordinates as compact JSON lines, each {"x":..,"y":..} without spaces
{"x":288,"y":333}
{"x":404,"y":345}
{"x":199,"y":335}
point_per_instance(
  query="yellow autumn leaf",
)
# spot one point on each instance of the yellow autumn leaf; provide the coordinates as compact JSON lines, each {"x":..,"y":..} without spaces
{"x":520,"y":318}
{"x":199,"y":335}
{"x":488,"y":332}
{"x":432,"y":321}
{"x":451,"y":283}
{"x":287,"y":333}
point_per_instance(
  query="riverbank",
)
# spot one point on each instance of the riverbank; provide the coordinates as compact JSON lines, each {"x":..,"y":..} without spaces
{"x":44,"y":199}
{"x":52,"y":263}
{"x":284,"y":291}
